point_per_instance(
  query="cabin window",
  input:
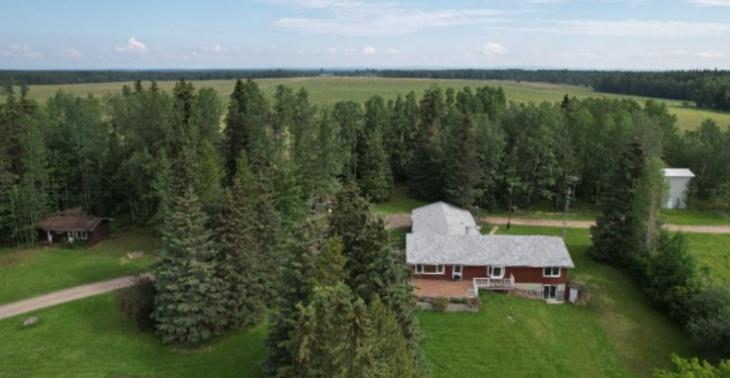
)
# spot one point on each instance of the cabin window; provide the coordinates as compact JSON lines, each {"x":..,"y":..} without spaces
{"x":552,"y":272}
{"x":83,"y":235}
{"x":429,"y":269}
{"x":457,"y":271}
{"x":495,"y":271}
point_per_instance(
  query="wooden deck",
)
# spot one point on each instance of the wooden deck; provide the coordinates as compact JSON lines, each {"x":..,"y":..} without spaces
{"x":433,"y":288}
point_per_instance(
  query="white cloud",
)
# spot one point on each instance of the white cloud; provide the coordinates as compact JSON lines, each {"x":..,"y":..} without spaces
{"x":369,"y":50}
{"x":709,"y":55}
{"x":133,"y":46}
{"x":391,"y":51}
{"x":492,"y":48}
{"x":377,"y":18}
{"x":350,"y":52}
{"x":711,"y":3}
{"x":626,"y":28}
{"x":21,"y":50}
{"x":70,"y":53}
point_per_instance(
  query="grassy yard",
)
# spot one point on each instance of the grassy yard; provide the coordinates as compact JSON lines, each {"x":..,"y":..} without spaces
{"x":28,"y":272}
{"x":399,"y":203}
{"x":617,"y":335}
{"x":331,"y":90}
{"x":712,"y":253}
{"x":89,"y":338}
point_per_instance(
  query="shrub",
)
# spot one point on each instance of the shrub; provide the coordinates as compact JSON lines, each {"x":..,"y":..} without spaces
{"x":138,"y":301}
{"x":694,"y":368}
{"x":709,"y":326}
{"x":440,"y":304}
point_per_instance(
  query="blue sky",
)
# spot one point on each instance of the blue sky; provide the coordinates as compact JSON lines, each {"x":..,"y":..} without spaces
{"x":601,"y":34}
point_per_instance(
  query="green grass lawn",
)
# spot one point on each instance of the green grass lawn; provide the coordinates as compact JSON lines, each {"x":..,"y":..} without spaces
{"x":332,"y":89}
{"x":28,"y":272}
{"x":90,"y":338}
{"x":713,"y":254}
{"x":617,"y":335}
{"x":399,"y":203}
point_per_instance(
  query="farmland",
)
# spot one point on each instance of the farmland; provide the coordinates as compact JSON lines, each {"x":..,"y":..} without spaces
{"x":330,"y":90}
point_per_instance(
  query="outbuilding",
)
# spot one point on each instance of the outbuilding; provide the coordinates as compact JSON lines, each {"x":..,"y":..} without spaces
{"x":73,"y":225}
{"x":678,"y":179}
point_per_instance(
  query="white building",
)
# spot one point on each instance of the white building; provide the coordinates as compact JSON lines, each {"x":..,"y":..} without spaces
{"x":678,"y":179}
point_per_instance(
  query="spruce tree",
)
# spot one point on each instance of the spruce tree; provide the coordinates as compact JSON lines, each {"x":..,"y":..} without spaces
{"x":240,"y":265}
{"x":614,"y":235}
{"x":427,"y":164}
{"x":373,"y":172}
{"x":462,"y":171}
{"x":295,"y":288}
{"x":188,"y":306}
{"x":331,"y":264}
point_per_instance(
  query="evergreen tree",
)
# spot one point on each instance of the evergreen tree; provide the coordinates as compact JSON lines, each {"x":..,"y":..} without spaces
{"x":427,"y":164}
{"x":240,"y":266}
{"x":246,"y":124}
{"x":188,"y":306}
{"x":295,"y":288}
{"x":338,"y":335}
{"x":614,"y":235}
{"x":374,"y":174}
{"x":331,"y":264}
{"x":462,"y":173}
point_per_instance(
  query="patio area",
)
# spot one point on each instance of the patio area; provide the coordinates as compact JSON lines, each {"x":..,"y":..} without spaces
{"x":424,"y":288}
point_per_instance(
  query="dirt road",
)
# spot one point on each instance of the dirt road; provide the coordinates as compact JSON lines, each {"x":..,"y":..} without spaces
{"x":63,"y":296}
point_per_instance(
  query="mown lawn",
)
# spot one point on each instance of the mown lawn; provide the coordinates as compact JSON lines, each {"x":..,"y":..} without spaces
{"x":332,"y":89}
{"x":28,"y":272}
{"x":617,"y":335}
{"x":399,"y":203}
{"x":713,"y":254}
{"x":90,"y":338}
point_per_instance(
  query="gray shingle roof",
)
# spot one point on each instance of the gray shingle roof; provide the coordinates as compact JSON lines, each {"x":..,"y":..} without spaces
{"x":677,"y":172}
{"x":443,"y":219}
{"x":483,"y":250}
{"x":447,"y":235}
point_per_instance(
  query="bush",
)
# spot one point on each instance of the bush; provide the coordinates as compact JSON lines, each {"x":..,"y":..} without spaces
{"x":138,"y":301}
{"x":709,"y":326}
{"x":440,"y":304}
{"x":694,"y":368}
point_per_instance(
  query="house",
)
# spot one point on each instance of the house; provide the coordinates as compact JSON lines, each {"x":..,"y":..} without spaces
{"x":450,"y":257}
{"x":678,"y":179}
{"x":73,"y":225}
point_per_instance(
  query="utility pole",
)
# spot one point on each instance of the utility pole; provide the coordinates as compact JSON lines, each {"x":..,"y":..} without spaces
{"x":568,"y":197}
{"x":509,"y":210}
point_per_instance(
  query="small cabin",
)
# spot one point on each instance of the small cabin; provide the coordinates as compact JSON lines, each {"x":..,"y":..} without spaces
{"x":678,"y":179}
{"x":73,"y":225}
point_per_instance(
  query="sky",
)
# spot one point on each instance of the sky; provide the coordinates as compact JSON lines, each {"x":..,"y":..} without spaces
{"x":167,"y":34}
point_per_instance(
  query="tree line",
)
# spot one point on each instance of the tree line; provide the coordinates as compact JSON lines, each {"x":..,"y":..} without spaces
{"x":119,"y":155}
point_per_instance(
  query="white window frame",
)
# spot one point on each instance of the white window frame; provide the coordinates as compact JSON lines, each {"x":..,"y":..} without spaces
{"x":552,"y":272}
{"x":490,"y":271}
{"x":439,"y":269}
{"x":83,"y":235}
{"x":460,"y":272}
{"x":549,"y":297}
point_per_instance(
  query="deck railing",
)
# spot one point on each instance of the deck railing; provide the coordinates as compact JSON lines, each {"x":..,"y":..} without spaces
{"x":494,"y":283}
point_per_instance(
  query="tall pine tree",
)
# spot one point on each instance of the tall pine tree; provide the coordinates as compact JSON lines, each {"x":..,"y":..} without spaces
{"x":188,"y":306}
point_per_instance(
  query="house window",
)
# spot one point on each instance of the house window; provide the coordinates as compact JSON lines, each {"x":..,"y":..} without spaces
{"x":495,"y":271}
{"x":83,"y":235}
{"x":429,"y":269}
{"x":551,"y":272}
{"x":549,"y":292}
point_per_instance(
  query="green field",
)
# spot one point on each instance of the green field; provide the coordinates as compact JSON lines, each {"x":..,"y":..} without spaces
{"x":712,"y":253}
{"x":89,"y":338}
{"x":330,"y":90}
{"x":28,"y":272}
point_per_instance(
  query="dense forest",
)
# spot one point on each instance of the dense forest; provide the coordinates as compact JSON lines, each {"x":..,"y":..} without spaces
{"x":116,"y":157}
{"x":708,"y":89}
{"x":272,"y":206}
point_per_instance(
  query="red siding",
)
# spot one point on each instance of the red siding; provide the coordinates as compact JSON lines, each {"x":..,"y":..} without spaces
{"x":522,"y":274}
{"x":100,"y":233}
